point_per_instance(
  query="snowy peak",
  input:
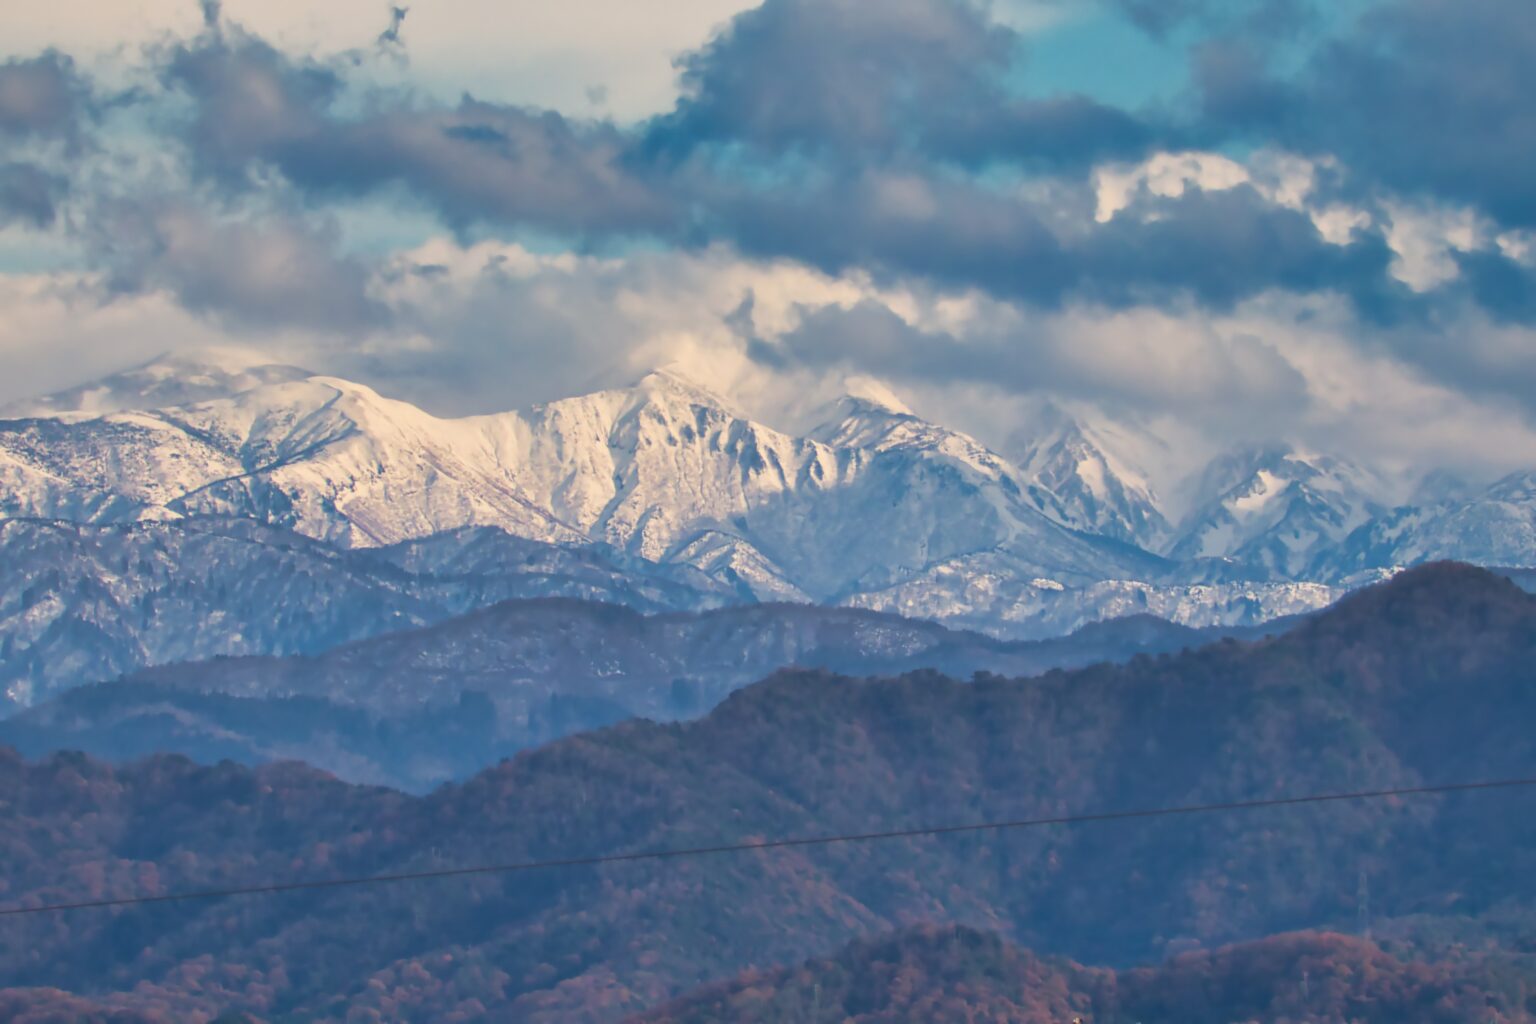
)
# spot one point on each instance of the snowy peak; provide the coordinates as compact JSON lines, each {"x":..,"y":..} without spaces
{"x":647,"y":467}
{"x":1074,"y":476}
{"x":672,"y":386}
{"x":856,"y":422}
{"x":1515,"y":489}
{"x":169,"y":380}
{"x":870,"y":417}
{"x":1277,"y":507}
{"x":1496,"y":526}
{"x":869,"y":392}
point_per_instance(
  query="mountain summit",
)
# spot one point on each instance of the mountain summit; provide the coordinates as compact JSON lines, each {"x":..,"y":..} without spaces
{"x":174,"y":378}
{"x":1278,"y":508}
{"x":1076,"y":476}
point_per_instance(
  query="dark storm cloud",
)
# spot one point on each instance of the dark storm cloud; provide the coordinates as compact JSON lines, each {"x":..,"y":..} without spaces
{"x":837,"y":73}
{"x":42,"y":96}
{"x":1426,"y":97}
{"x":853,"y":80}
{"x":249,"y":100}
{"x":1471,"y":346}
{"x":482,"y":162}
{"x":1217,"y":248}
{"x":255,"y":109}
{"x":1225,"y":246}
{"x":903,"y":226}
{"x":29,"y":194}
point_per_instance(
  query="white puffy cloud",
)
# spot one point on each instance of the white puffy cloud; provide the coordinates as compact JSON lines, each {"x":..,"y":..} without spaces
{"x":1282,"y":178}
{"x":1426,"y":238}
{"x":1167,"y":175}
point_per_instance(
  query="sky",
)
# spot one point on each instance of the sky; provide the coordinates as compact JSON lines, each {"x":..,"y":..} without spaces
{"x":1224,"y":222}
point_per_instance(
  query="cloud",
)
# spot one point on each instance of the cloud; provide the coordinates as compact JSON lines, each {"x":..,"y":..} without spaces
{"x":1428,"y":98}
{"x":841,"y":187}
{"x":1506,"y":288}
{"x":864,"y":75}
{"x":281,"y":272}
{"x":926,"y":77}
{"x":42,"y":97}
{"x":29,"y":194}
{"x":1144,"y":361}
{"x":390,"y":37}
{"x":1225,"y":246}
{"x":1215,"y":247}
{"x":63,"y":329}
{"x":897,"y":147}
{"x":256,"y":110}
{"x":487,"y":326}
{"x":1162,"y":18}
{"x":484,"y":326}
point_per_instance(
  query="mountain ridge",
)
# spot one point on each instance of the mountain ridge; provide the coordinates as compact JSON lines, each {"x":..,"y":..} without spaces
{"x":876,"y":507}
{"x":395,"y":709}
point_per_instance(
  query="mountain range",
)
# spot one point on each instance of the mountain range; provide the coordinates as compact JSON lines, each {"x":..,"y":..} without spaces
{"x":1422,"y":680}
{"x":204,"y":506}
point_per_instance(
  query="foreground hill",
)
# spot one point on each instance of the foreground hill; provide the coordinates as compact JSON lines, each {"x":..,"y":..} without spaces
{"x":1426,"y":679}
{"x":956,"y":974}
{"x":951,"y":974}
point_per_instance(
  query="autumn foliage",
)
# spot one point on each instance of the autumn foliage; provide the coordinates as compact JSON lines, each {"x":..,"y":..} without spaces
{"x":959,"y":975}
{"x":1429,"y":679}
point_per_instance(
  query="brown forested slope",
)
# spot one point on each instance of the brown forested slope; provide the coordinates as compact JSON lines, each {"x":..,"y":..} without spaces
{"x":1429,"y":678}
{"x":951,"y":974}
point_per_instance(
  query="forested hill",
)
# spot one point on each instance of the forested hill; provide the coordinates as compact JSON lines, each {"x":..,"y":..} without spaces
{"x":1430,"y":678}
{"x":956,"y":974}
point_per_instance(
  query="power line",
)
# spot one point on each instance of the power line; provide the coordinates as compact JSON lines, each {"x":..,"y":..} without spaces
{"x":776,"y":844}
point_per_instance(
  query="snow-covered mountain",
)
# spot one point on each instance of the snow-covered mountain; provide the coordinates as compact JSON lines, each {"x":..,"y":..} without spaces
{"x":1076,"y":475}
{"x":877,"y":507}
{"x":174,"y":379}
{"x":1277,"y":508}
{"x":325,"y":457}
{"x":873,"y":418}
{"x":1496,"y":526}
{"x":663,"y":469}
